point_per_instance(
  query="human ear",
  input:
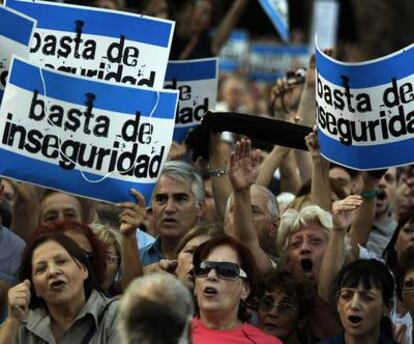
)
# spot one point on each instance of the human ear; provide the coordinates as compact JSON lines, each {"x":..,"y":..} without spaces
{"x":245,"y":291}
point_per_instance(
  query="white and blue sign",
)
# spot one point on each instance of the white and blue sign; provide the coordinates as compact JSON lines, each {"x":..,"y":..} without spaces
{"x":233,"y":55}
{"x":267,"y":62}
{"x":278,"y":13}
{"x":197,"y":82}
{"x":86,"y":137}
{"x":16,"y":31}
{"x":99,"y":43}
{"x":365,"y":111}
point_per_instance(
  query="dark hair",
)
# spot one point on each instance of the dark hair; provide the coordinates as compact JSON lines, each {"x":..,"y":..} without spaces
{"x":295,"y":286}
{"x":389,"y":254}
{"x":370,"y":273}
{"x":211,"y":230}
{"x":405,"y":265}
{"x":246,"y":263}
{"x":97,"y":260}
{"x":77,"y":254}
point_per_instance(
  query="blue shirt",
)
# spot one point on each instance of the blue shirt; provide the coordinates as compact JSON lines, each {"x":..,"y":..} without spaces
{"x":151,"y":253}
{"x":144,"y":239}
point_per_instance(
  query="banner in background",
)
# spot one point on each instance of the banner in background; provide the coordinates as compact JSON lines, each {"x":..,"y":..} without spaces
{"x":365,"y":111}
{"x":233,"y":56}
{"x":99,"y":43}
{"x":325,"y":23}
{"x":82,"y":136}
{"x":197,"y":82}
{"x":267,"y":62}
{"x":16,"y":30}
{"x":278,"y":13}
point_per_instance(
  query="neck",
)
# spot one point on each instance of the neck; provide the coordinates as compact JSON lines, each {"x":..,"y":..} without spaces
{"x":219,"y":321}
{"x":369,"y":338}
{"x":62,"y":315}
{"x":382,"y":217}
{"x":168,"y":247}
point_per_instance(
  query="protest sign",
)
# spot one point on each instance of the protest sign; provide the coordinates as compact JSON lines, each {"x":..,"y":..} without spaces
{"x":278,"y":13}
{"x":197,"y":82}
{"x":16,"y":30}
{"x":99,"y":43}
{"x":325,"y":23}
{"x":365,"y":111}
{"x":267,"y":61}
{"x":233,"y":55}
{"x":83,"y":136}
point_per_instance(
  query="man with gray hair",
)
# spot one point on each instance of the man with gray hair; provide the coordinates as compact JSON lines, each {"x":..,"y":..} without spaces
{"x":177,"y":205}
{"x":156,"y":309}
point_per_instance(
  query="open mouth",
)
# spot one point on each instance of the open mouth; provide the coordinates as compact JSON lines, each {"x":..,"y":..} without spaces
{"x":306,"y":264}
{"x":381,"y":195}
{"x":57,"y":284}
{"x":210,"y":291}
{"x":355,"y":319}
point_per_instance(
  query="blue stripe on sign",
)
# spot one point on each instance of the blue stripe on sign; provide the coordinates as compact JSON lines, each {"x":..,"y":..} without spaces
{"x":56,"y":16}
{"x":117,"y":98}
{"x":239,"y":35}
{"x":275,"y":19}
{"x":272,"y":49}
{"x":180,"y":133}
{"x":191,"y":70}
{"x":1,"y":96}
{"x":367,"y":157}
{"x":15,"y":27}
{"x":53,"y":176}
{"x":368,"y":74}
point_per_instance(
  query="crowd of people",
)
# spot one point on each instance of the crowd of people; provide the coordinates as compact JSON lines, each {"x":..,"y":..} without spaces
{"x":252,"y":245}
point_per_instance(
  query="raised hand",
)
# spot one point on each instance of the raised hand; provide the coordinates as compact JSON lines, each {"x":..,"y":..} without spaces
{"x":312,"y":142}
{"x":18,"y":300}
{"x":342,"y":211}
{"x":244,"y":165}
{"x":132,"y":214}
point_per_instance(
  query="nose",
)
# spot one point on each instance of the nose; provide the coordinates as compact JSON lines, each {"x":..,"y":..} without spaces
{"x":170,"y":206}
{"x":305,"y":247}
{"x":212,"y":274}
{"x":355,"y":302}
{"x":53,"y":269}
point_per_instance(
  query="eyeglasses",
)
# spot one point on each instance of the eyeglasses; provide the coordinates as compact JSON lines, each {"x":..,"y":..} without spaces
{"x":408,"y":286}
{"x":111,"y":259}
{"x":283,"y":307}
{"x":224,"y":270}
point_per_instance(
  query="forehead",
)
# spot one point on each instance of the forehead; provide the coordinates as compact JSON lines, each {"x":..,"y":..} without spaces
{"x":339,"y":173}
{"x":47,"y":249}
{"x":223,"y":253}
{"x":58,"y":200}
{"x":259,"y":197}
{"x":311,"y":230}
{"x":169,"y":185}
{"x":361,"y":289}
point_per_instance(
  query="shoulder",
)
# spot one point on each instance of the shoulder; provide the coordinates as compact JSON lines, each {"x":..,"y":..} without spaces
{"x":258,"y":335}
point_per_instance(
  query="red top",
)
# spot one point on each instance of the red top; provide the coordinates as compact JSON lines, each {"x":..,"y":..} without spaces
{"x":243,"y":334}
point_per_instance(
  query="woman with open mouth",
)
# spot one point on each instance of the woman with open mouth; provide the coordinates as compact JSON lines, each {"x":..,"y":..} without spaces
{"x":225,"y":280}
{"x":365,"y":290}
{"x":57,"y":301}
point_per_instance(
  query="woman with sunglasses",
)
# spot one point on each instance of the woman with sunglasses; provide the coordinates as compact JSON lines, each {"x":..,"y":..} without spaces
{"x":225,"y":280}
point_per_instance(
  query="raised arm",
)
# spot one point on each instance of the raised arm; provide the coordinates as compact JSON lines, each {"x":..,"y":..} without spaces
{"x":18,"y":305}
{"x":220,"y":183}
{"x":321,"y":187}
{"x":334,"y":256}
{"x":131,"y":217}
{"x":243,"y":173}
{"x":270,"y":164}
{"x":227,"y":24}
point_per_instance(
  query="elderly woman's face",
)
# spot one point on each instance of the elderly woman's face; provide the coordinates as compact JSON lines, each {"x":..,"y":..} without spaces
{"x":185,"y":260}
{"x":306,"y":249}
{"x":360,"y":310}
{"x":56,"y":277}
{"x":278,"y":314}
{"x":218,"y":293}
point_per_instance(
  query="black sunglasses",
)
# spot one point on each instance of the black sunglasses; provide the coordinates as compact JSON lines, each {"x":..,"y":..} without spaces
{"x":224,"y":270}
